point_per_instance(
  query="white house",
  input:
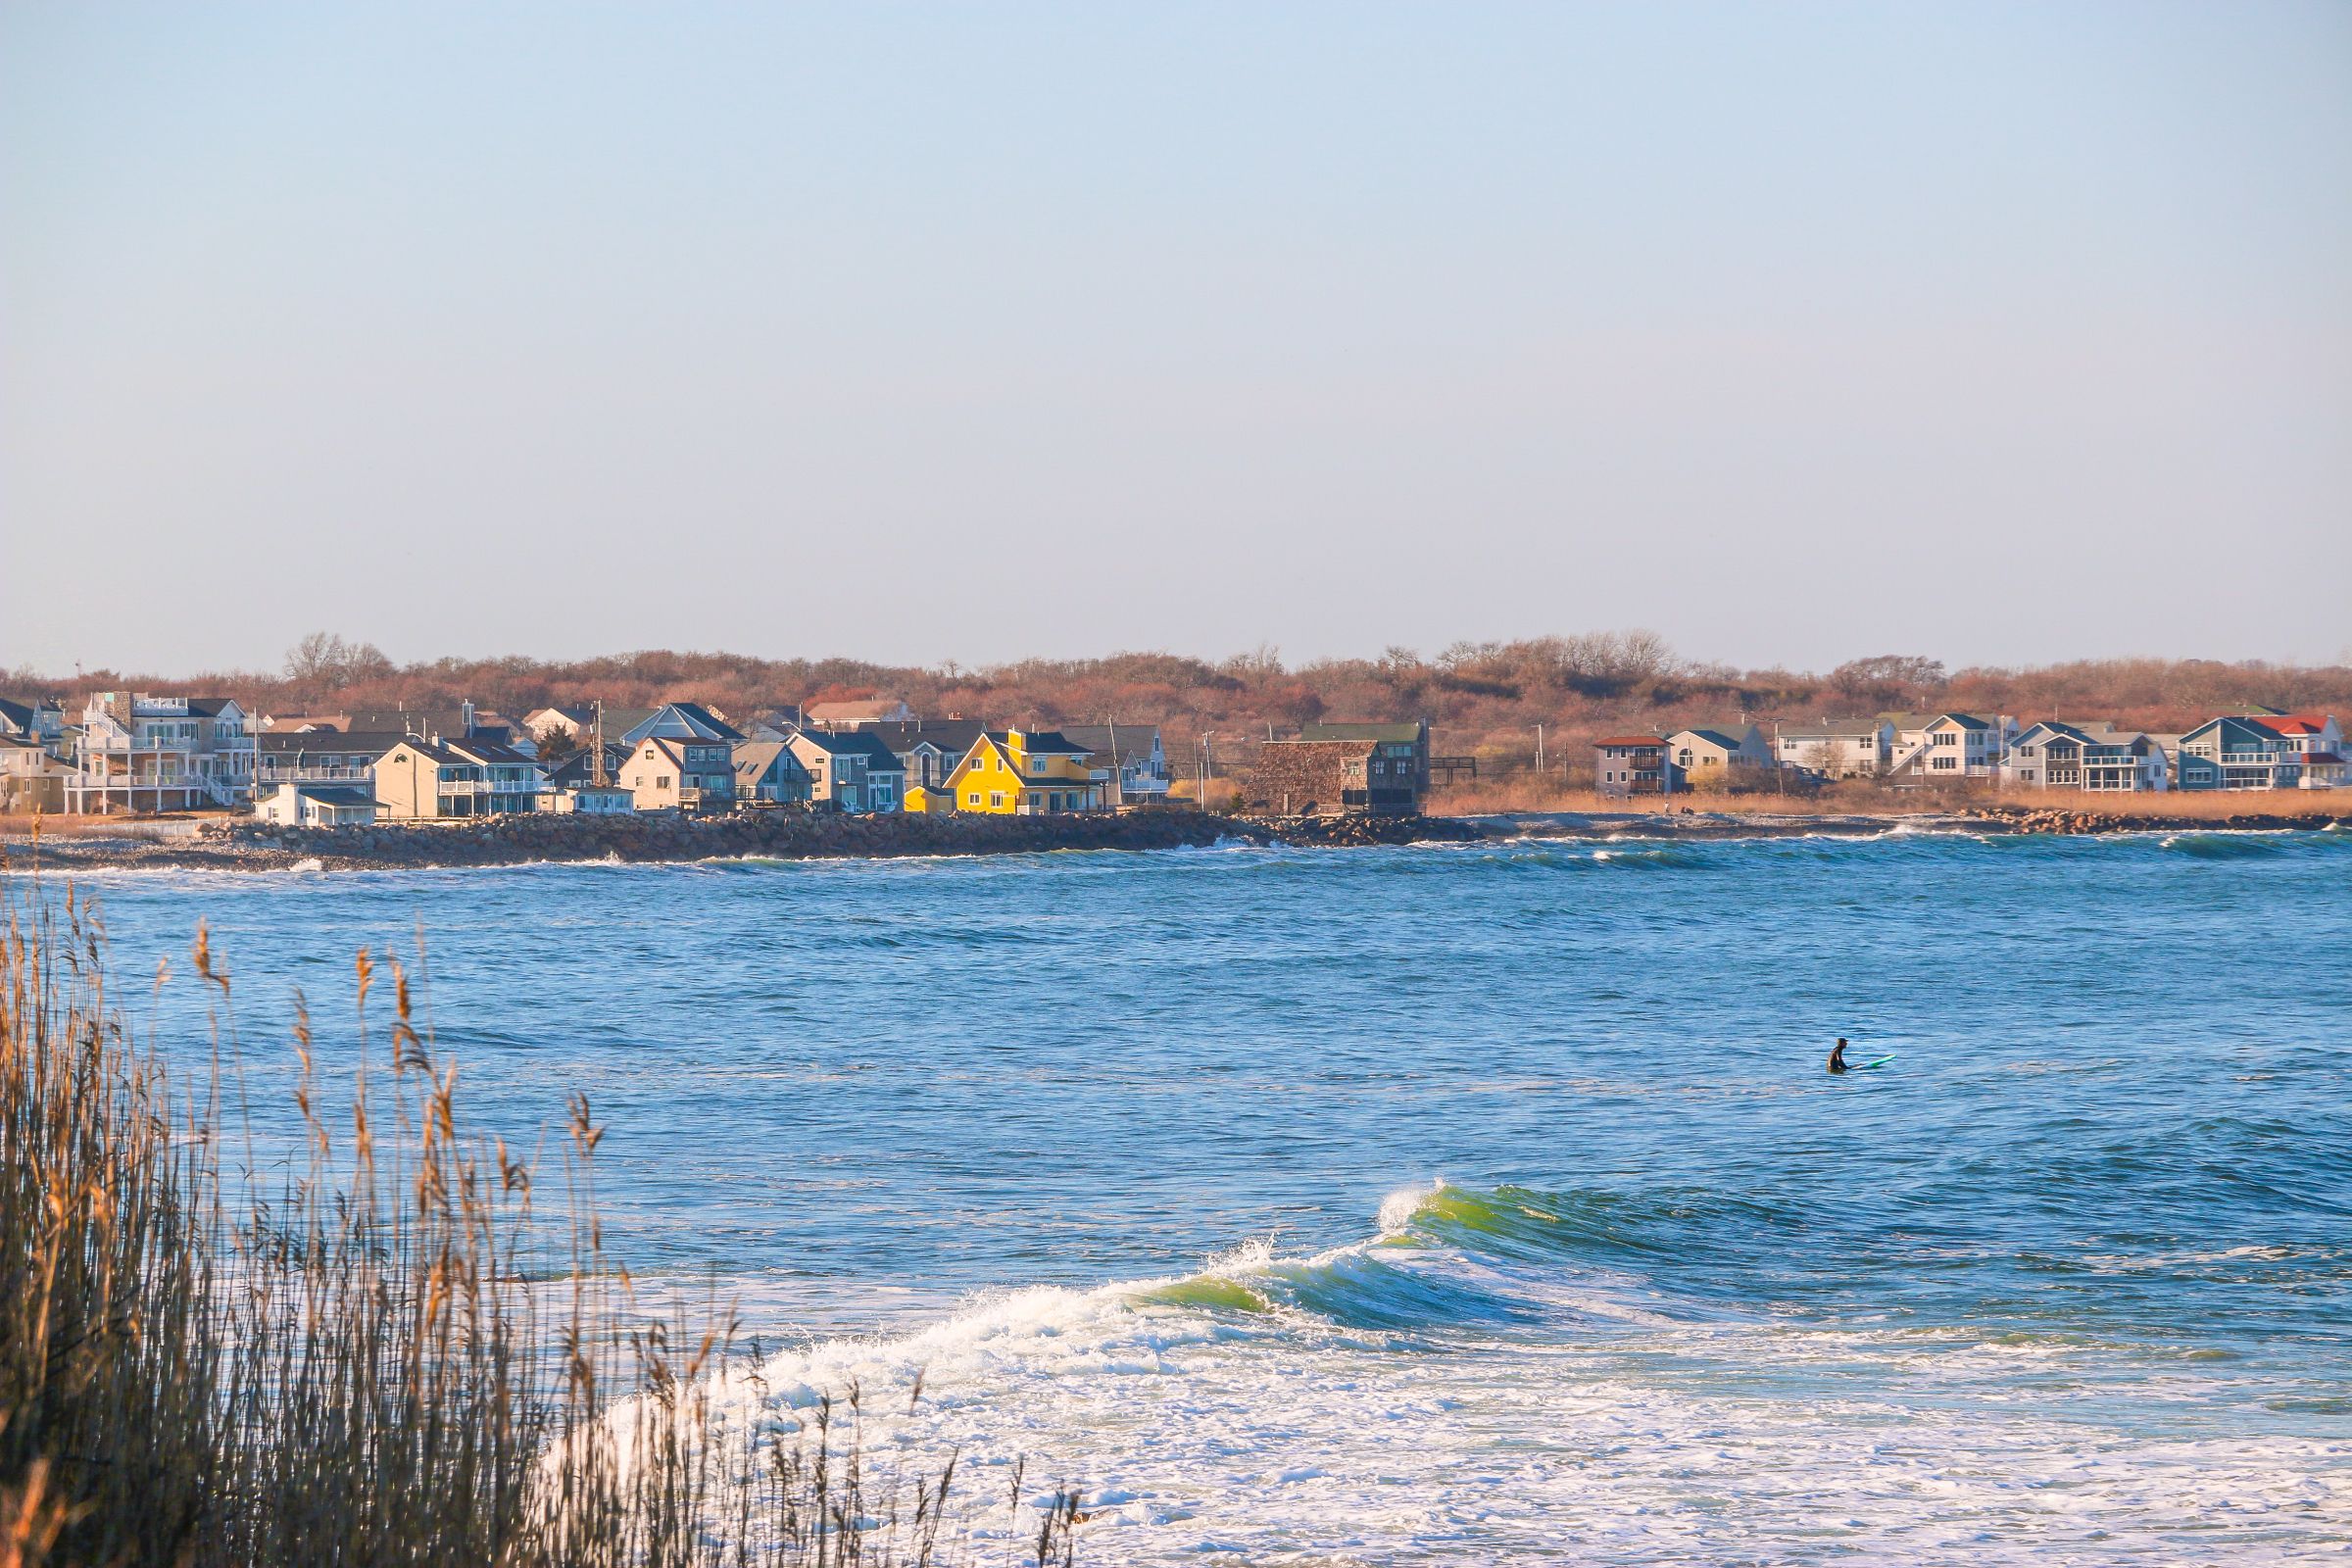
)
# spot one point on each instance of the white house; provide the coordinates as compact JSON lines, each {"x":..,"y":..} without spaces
{"x":1949,"y":748}
{"x":2318,"y":742}
{"x":140,"y":752}
{"x":316,"y":806}
{"x":1836,"y":747}
{"x":589,"y":800}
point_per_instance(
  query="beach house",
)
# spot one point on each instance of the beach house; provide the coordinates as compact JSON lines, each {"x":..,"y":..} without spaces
{"x":687,"y":773}
{"x":340,"y":759}
{"x":32,"y":778}
{"x":1025,"y":772}
{"x":1626,"y":765}
{"x":1715,"y":759}
{"x":1949,"y":748}
{"x":849,"y":770}
{"x":425,"y":779}
{"x":2318,"y":742}
{"x":134,"y":752}
{"x":2239,"y":754}
{"x":768,"y":772}
{"x":291,"y":805}
{"x":1835,"y":748}
{"x":2056,"y":755}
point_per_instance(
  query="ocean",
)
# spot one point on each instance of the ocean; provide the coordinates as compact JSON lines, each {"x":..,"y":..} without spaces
{"x":1478,"y":1204}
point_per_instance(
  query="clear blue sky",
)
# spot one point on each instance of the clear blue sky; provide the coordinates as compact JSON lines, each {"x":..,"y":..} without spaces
{"x":1993,"y":332}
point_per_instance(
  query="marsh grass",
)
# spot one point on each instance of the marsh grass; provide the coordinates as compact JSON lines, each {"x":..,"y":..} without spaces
{"x":371,"y":1360}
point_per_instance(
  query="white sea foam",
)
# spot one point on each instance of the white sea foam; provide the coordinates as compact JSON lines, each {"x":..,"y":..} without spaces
{"x":1209,"y":1418}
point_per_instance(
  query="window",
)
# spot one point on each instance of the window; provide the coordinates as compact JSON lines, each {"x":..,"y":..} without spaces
{"x":995,"y":798}
{"x":972,"y":799}
{"x":662,"y":782}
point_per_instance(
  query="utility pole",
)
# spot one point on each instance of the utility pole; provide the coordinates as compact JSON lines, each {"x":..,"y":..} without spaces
{"x":1209,"y":765}
{"x":1538,"y":748}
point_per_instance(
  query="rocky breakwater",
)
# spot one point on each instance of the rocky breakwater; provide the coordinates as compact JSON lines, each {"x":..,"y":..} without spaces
{"x":2071,"y":819}
{"x":1351,"y":832}
{"x":783,"y":834}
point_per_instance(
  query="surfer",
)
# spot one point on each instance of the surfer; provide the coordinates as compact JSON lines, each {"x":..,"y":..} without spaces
{"x":1837,"y":1057}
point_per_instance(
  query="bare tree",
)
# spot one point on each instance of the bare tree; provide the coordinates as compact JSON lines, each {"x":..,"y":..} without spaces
{"x":324,"y":661}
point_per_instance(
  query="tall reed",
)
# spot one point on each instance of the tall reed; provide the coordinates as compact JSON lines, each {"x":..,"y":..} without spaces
{"x":376,"y":1360}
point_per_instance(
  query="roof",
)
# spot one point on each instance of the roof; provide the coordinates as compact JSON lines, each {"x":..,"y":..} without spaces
{"x":1040,"y":741}
{"x":2298,"y":724}
{"x":14,"y":715}
{"x":1631,"y":740}
{"x":429,"y":751}
{"x":1715,"y":737}
{"x":752,"y":760}
{"x":211,"y":707}
{"x":292,"y":722}
{"x":482,"y":750}
{"x":1830,"y":729}
{"x":678,"y":721}
{"x":878,"y":756}
{"x":334,"y":795}
{"x":287,"y":743}
{"x":954,"y":736}
{"x":1361,"y":732}
{"x":1135,"y":739}
{"x":2320,"y":759}
{"x":874,"y":708}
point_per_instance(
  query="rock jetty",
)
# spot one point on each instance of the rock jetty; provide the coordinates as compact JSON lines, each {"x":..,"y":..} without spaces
{"x":2068,"y":819}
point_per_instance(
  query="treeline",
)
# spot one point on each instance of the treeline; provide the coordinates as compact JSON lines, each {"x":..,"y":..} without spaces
{"x":1485,"y":697}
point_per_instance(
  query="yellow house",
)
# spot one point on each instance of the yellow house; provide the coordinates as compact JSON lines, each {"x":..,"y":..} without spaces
{"x":1028,"y":772}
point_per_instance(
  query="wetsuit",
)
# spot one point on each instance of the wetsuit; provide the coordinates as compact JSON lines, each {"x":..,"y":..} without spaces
{"x":1838,"y":1058}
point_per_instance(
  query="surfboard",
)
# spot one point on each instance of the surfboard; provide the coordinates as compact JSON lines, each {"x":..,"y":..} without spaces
{"x":1865,"y":1066}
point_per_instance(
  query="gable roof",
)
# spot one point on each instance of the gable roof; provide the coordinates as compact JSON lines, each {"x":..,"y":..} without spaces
{"x":1040,"y":741}
{"x":678,"y":721}
{"x":952,"y":736}
{"x":14,"y":716}
{"x":476,"y":750}
{"x":1135,"y":741}
{"x":1631,"y":740}
{"x":879,"y":758}
{"x":332,"y":794}
{"x":752,"y":760}
{"x":431,"y":752}
{"x":1714,"y":737}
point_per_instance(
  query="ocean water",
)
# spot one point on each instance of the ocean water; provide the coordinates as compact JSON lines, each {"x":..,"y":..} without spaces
{"x":1453,"y":1204}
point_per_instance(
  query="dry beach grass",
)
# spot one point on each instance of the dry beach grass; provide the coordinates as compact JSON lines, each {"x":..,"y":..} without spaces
{"x":373,"y":1360}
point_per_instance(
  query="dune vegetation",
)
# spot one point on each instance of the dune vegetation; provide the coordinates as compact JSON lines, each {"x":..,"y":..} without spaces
{"x":383,"y":1355}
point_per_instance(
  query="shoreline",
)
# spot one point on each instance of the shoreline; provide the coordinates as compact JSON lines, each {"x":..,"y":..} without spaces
{"x":247,"y":845}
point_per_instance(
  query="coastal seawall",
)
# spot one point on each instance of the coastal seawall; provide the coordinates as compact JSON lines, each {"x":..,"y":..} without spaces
{"x":784,"y":835}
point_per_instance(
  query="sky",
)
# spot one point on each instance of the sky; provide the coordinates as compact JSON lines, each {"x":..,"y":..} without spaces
{"x":1796,"y":332}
